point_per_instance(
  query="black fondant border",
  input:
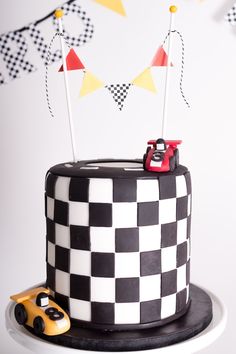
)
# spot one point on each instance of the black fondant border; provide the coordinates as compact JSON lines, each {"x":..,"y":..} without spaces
{"x":196,"y":319}
{"x":77,"y":170}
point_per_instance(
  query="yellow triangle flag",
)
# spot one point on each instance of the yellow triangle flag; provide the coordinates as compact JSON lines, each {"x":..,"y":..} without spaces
{"x":90,"y":83}
{"x":145,"y":80}
{"x":114,"y":5}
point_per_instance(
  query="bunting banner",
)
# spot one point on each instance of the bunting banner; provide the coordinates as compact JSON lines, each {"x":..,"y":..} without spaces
{"x":160,"y":58}
{"x":119,"y":92}
{"x":14,"y":46}
{"x":114,"y":5}
{"x":145,"y":80}
{"x":231,"y":15}
{"x":90,"y":84}
{"x":72,"y":62}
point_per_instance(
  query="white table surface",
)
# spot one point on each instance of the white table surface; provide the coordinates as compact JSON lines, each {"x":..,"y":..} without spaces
{"x":193,"y":345}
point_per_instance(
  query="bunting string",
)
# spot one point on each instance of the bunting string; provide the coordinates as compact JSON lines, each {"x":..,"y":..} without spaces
{"x":47,"y":63}
{"x":182,"y":64}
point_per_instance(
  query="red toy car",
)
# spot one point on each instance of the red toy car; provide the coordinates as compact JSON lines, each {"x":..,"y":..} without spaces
{"x":162,"y":156}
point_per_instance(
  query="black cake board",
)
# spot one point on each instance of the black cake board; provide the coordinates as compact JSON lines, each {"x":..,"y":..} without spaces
{"x":193,"y":322}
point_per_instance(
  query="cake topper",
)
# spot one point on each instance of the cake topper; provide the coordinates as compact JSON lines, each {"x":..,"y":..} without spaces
{"x":163,"y":155}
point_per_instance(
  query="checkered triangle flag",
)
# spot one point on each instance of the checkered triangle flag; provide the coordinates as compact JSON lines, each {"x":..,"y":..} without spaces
{"x":119,"y":93}
{"x":231,"y":16}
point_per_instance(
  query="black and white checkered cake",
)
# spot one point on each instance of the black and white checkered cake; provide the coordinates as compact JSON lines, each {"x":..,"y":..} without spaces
{"x":118,"y":243}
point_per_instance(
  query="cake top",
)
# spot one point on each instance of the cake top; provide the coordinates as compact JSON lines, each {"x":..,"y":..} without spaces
{"x":110,"y":168}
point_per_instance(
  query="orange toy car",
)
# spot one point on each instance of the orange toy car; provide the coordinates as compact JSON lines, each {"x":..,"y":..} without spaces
{"x":35,"y":309}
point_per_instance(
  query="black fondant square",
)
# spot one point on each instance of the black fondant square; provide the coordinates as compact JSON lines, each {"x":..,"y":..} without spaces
{"x":103,"y":264}
{"x":62,"y":258}
{"x":124,"y":190}
{"x":188,"y":182}
{"x":61,"y":212}
{"x":182,"y":251}
{"x":148,"y":213}
{"x":80,"y":287}
{"x":150,"y":311}
{"x":103,"y":313}
{"x":169,"y":234}
{"x":127,"y":240}
{"x":169,"y":283}
{"x":80,"y":237}
{"x":50,"y":231}
{"x":181,"y":298}
{"x":182,"y":208}
{"x":62,"y":301}
{"x":127,"y":290}
{"x":150,"y":262}
{"x":188,"y":226}
{"x":188,"y":272}
{"x":51,"y":274}
{"x":79,"y":189}
{"x":100,"y":214}
{"x":167,"y":187}
{"x":50,"y":185}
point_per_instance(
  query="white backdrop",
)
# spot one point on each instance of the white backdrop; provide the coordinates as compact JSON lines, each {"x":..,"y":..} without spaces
{"x":31,"y":142}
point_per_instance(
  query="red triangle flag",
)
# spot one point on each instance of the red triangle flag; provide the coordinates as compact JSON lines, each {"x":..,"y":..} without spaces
{"x":72,"y":61}
{"x":160,"y":58}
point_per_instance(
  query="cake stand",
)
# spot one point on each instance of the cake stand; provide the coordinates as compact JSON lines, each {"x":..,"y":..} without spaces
{"x":192,"y":345}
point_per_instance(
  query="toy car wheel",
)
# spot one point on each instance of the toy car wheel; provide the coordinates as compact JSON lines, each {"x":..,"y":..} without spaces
{"x":144,"y":161}
{"x":39,"y":325}
{"x":176,"y":157}
{"x":172,"y":163}
{"x":20,"y":314}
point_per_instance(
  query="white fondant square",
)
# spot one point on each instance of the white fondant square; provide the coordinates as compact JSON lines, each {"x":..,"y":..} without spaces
{"x":189,"y":204}
{"x":168,"y":258}
{"x":149,"y":238}
{"x":127,"y":265}
{"x":62,"y":235}
{"x":103,"y":289}
{"x":79,"y":213}
{"x":187,"y":295}
{"x":62,"y":282}
{"x":147,"y":190}
{"x":62,"y":188}
{"x":188,"y":248}
{"x":150,"y":287}
{"x":181,"y":231}
{"x":80,"y":309}
{"x":102,"y":239}
{"x":100,"y":190}
{"x":124,"y":215}
{"x":167,"y":211}
{"x":181,"y":277}
{"x":51,"y":254}
{"x":168,"y":306}
{"x":50,"y":208}
{"x":181,"y":187}
{"x":80,"y":262}
{"x":126,"y":313}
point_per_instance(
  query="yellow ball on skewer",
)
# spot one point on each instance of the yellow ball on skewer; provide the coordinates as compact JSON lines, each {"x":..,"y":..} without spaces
{"x":58,"y":13}
{"x":173,"y":8}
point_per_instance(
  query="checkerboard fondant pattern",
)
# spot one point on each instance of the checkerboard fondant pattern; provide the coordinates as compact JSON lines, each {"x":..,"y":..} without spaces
{"x":118,"y":250}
